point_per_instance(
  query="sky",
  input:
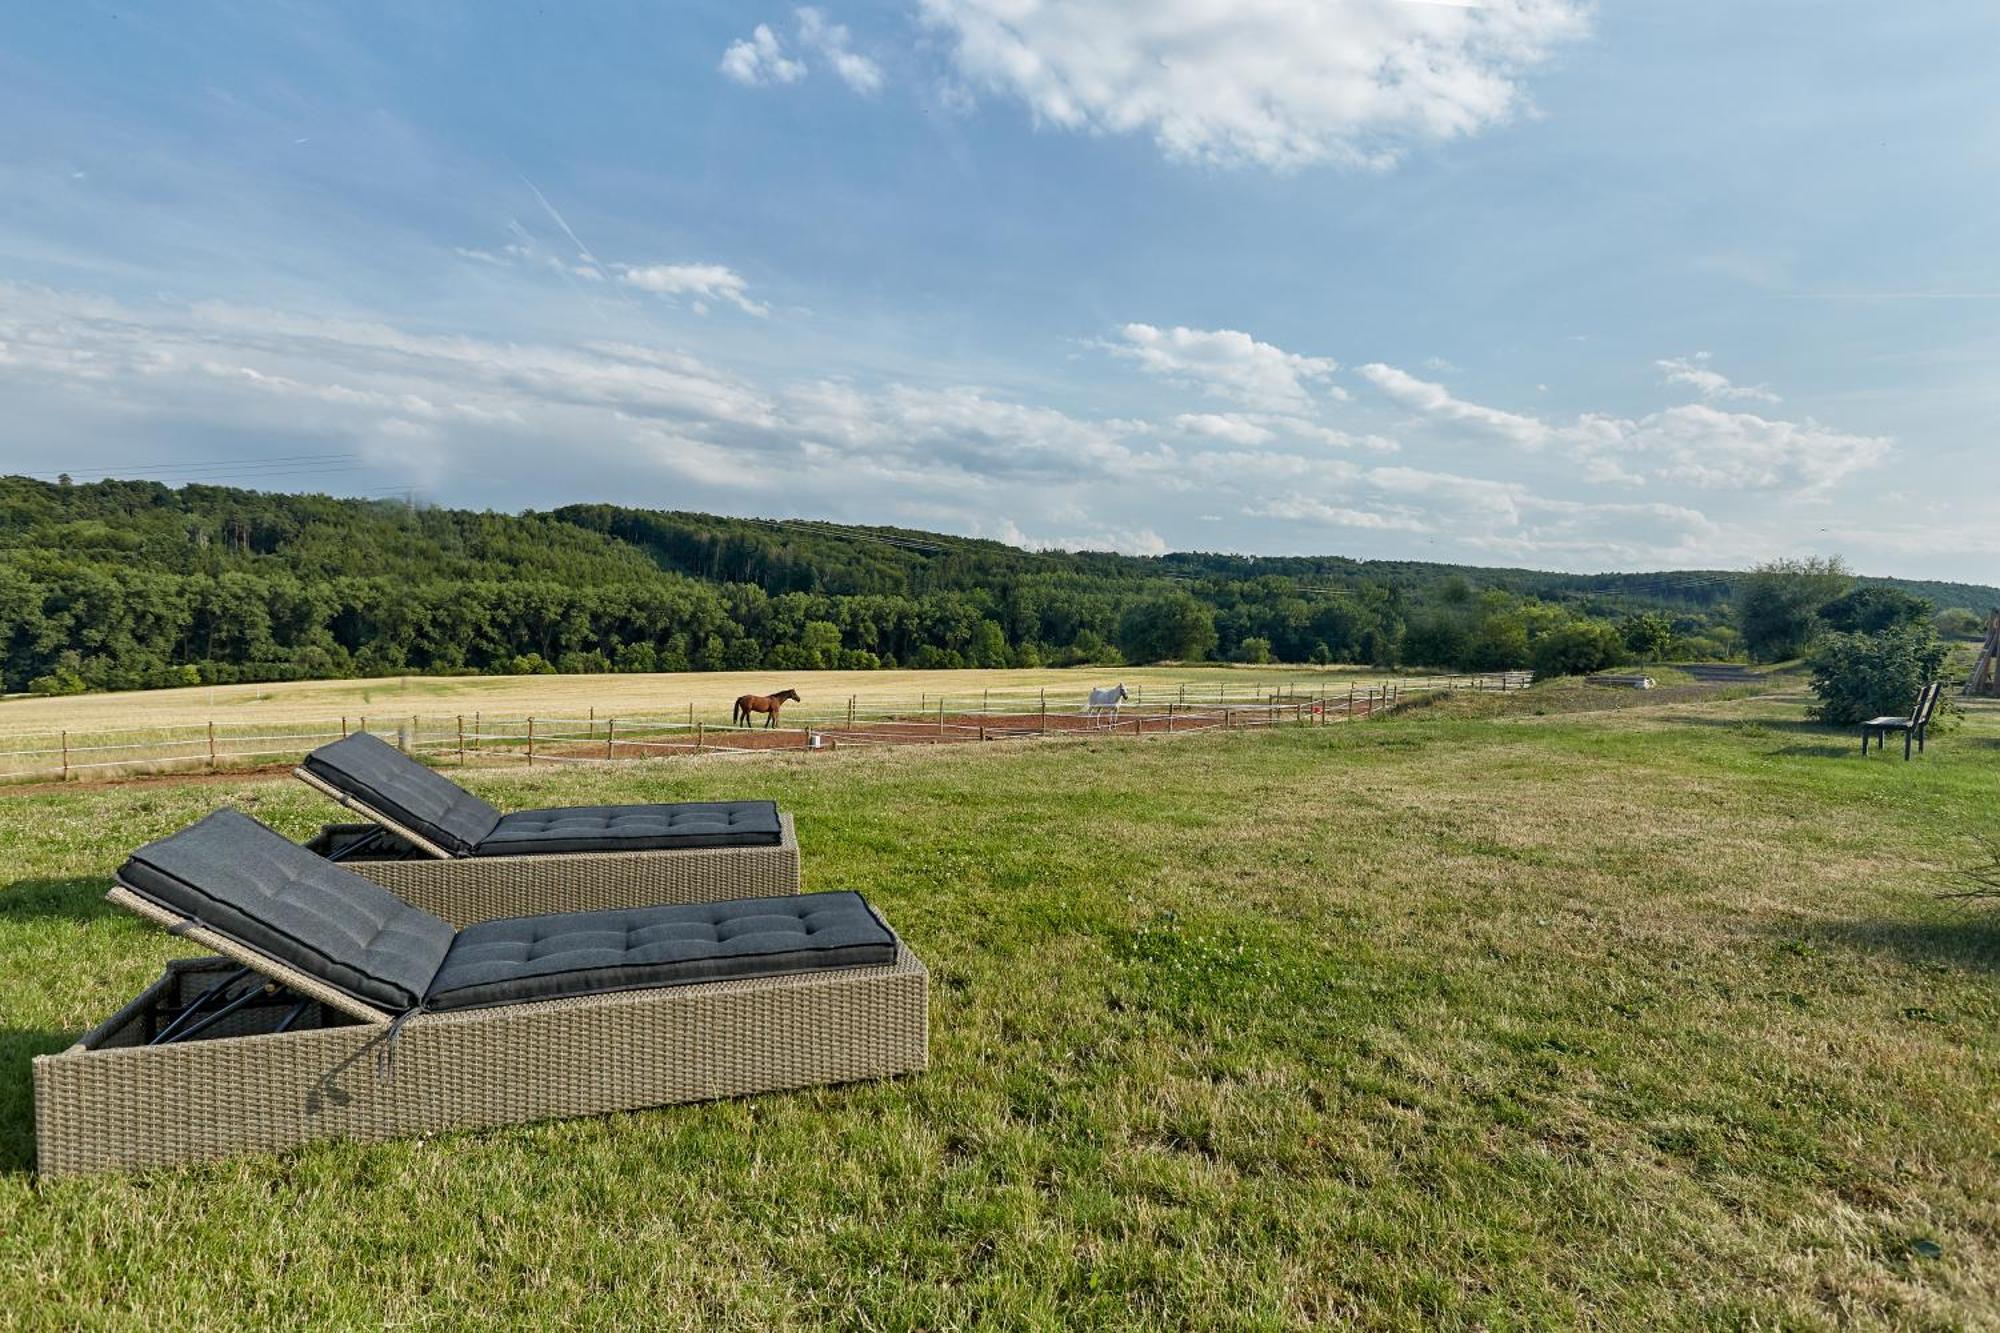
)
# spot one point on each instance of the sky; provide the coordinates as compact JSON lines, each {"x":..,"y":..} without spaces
{"x":1521,"y":282}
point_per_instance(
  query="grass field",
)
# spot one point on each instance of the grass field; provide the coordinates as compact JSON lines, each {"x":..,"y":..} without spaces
{"x":567,"y":696}
{"x":1478,"y":1016}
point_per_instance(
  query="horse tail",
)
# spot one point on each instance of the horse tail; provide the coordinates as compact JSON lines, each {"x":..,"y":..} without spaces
{"x":739,"y":713}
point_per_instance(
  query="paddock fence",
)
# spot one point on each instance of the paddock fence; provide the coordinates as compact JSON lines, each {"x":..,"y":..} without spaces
{"x":813,"y":726}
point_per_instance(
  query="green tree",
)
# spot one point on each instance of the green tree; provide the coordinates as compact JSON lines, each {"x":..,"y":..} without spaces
{"x":1649,"y":635}
{"x":1254,"y":650}
{"x":1777,"y":604}
{"x":1872,"y":608}
{"x":1956,"y":622}
{"x":1172,"y":627}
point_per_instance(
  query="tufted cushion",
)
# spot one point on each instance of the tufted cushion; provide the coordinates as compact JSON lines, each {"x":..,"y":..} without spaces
{"x":633,"y":828}
{"x":392,"y":784}
{"x":583,"y":953}
{"x":240,"y":879}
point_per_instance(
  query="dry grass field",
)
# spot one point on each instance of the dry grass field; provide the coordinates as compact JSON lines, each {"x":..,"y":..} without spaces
{"x":568,"y":696}
{"x":1564,"y":1008}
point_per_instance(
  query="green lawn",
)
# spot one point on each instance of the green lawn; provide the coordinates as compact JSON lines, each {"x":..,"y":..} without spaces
{"x":1645,"y":1015}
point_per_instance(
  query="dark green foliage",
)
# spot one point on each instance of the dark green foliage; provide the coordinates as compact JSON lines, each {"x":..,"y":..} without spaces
{"x":1872,"y":609}
{"x":1778,"y":607}
{"x":1648,"y":635}
{"x":129,"y":585}
{"x":1170,"y":627}
{"x":1577,"y":649}
{"x":1859,"y":676}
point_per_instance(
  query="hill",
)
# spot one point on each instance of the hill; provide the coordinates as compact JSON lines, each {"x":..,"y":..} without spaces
{"x":132,"y":583}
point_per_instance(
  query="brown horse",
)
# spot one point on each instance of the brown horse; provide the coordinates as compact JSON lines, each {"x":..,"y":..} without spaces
{"x":767,"y":704}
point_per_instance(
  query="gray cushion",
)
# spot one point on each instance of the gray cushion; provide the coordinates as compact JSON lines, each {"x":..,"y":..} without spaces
{"x":240,"y":879}
{"x":633,"y":828}
{"x":396,"y":786}
{"x":584,"y":953}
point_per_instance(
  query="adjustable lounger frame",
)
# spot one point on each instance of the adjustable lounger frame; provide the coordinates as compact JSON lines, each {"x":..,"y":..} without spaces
{"x":113,"y":1102}
{"x":468,"y":889}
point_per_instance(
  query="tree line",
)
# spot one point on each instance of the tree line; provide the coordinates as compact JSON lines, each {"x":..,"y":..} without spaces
{"x":124,"y":584}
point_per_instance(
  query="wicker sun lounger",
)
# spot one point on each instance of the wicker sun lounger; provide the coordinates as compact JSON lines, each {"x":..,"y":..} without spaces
{"x":439,"y":846}
{"x":336,"y":1010}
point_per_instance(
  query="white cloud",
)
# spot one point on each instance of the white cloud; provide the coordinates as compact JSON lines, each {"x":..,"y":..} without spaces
{"x":1278,"y":83}
{"x":1227,"y":363}
{"x":702,"y":282}
{"x":1304,"y":509}
{"x":1436,"y":400}
{"x":759,"y":60}
{"x":482,"y":418}
{"x":1695,"y":444}
{"x":1695,"y":372}
{"x":1506,"y":520}
{"x":1228,"y":426}
{"x":857,"y":71}
{"x":1140,"y":541}
{"x":1716,"y":450}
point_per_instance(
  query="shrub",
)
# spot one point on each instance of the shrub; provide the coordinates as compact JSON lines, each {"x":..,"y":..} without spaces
{"x":1859,"y":676}
{"x":1577,"y":649}
{"x":60,"y":681}
{"x":1254,"y":650}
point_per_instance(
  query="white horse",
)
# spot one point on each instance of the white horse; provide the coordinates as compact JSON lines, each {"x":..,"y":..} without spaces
{"x":1104,"y":702}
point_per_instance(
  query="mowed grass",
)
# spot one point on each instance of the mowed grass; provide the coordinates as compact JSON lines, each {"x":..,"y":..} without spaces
{"x":1647,"y":1016}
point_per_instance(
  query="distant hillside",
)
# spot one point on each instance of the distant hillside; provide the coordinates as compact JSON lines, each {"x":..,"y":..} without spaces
{"x":130,"y":583}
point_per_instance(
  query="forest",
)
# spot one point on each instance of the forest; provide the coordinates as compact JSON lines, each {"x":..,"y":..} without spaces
{"x":133,"y":584}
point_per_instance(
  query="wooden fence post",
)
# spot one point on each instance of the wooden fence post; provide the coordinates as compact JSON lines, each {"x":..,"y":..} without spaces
{"x":531,"y":742}
{"x":1170,"y":719}
{"x":343,"y":726}
{"x":211,"y":746}
{"x":1045,"y":712}
{"x":940,"y":730}
{"x":65,"y":745}
{"x":850,"y":712}
{"x":590,"y":725}
{"x":475,"y":729}
{"x":461,"y":740}
{"x":610,"y":727}
{"x":697,"y":736}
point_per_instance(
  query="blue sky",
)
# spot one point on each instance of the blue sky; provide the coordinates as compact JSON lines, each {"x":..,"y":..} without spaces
{"x":1524,"y":282}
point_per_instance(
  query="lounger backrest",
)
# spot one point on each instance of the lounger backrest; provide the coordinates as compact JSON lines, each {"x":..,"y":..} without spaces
{"x":388,"y":782}
{"x":245,"y":882}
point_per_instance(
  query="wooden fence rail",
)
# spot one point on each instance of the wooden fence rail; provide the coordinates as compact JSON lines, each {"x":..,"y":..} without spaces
{"x":601,"y":736}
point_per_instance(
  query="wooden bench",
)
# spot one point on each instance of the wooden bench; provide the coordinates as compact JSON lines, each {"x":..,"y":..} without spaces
{"x":1913,"y":726}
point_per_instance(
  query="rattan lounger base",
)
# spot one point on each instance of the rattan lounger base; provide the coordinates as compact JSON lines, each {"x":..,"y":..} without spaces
{"x":468,"y":890}
{"x":113,"y":1103}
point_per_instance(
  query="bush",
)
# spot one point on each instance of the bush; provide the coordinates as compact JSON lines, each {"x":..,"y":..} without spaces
{"x":60,"y":681}
{"x":1577,"y":649}
{"x":1255,"y":651}
{"x":1859,"y":676}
